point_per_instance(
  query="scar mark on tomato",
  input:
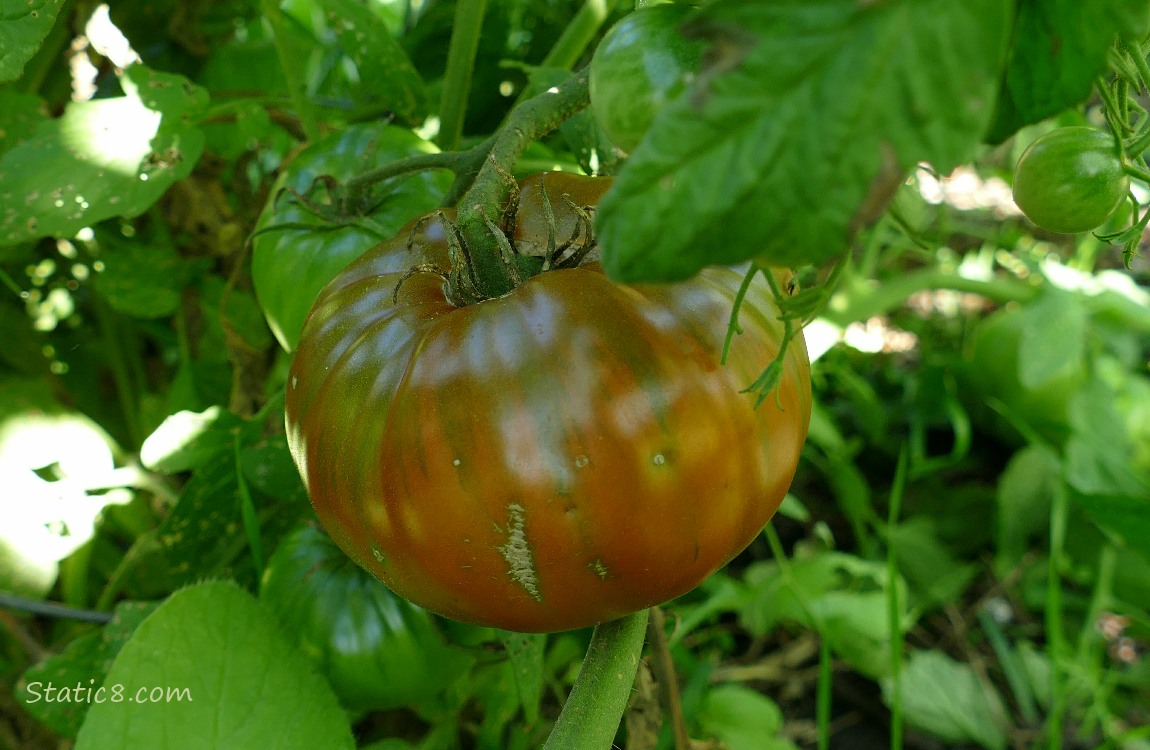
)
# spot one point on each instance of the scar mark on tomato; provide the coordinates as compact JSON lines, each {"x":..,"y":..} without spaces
{"x":598,"y":568}
{"x":517,"y":552}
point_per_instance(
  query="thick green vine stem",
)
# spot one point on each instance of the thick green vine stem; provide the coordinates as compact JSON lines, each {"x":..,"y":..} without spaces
{"x":592,"y":713}
{"x":482,"y":204}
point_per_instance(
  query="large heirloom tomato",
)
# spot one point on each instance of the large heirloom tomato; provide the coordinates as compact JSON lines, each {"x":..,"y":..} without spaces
{"x":377,"y":650}
{"x":561,"y":456}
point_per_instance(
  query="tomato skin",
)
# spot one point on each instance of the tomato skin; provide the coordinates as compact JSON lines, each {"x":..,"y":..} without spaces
{"x":554,"y":458}
{"x":642,"y":63}
{"x":291,"y":264}
{"x":1070,"y":180}
{"x":377,"y":650}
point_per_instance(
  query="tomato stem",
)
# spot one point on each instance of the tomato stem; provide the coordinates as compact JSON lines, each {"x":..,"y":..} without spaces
{"x":591,"y":716}
{"x":460,"y":64}
{"x":465,"y":165}
{"x":483,"y":204}
{"x":573,"y":42}
{"x":1140,"y":173}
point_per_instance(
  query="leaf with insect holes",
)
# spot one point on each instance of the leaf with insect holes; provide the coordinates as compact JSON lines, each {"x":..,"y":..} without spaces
{"x":386,"y":76}
{"x":797,"y":133}
{"x":101,"y":158}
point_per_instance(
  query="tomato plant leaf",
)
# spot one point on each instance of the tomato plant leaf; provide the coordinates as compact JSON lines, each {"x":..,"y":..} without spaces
{"x":743,"y":719}
{"x":801,"y":128}
{"x":1059,"y":48}
{"x":23,"y":26}
{"x":386,"y":77}
{"x":140,"y":279}
{"x":225,"y":677}
{"x":1023,"y":498}
{"x":189,"y":440}
{"x":1052,"y":342}
{"x":525,"y":650}
{"x":20,"y":115}
{"x":948,"y":699}
{"x":102,"y":158}
{"x":85,"y":662}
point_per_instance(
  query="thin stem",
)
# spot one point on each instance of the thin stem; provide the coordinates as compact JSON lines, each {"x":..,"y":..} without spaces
{"x":464,"y":164}
{"x":663,"y":668}
{"x":460,"y":65}
{"x":1136,"y":171}
{"x":118,"y":358}
{"x":894,"y":605}
{"x":1055,"y":639}
{"x":481,"y":205}
{"x":574,"y":40}
{"x":1134,"y":52}
{"x":296,"y":89}
{"x":824,"y":693}
{"x":864,"y":303}
{"x":591,"y":715}
{"x":51,"y":609}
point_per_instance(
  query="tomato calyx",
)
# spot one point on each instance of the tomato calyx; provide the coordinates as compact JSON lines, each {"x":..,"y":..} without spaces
{"x":548,"y":229}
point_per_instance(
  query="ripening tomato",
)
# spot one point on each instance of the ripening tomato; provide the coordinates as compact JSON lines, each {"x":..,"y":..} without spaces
{"x":560,"y":456}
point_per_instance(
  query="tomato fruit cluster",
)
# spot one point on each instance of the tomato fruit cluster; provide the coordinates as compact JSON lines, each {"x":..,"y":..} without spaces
{"x":377,"y":650}
{"x":561,"y":456}
{"x":643,"y":62}
{"x":1070,"y":180}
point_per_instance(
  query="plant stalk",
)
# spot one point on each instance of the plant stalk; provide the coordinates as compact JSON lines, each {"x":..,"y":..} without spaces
{"x":460,"y":65}
{"x":591,"y":716}
{"x":481,"y":206}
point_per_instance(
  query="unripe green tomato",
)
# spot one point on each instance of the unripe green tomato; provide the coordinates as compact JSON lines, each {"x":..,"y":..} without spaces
{"x":1070,"y":180}
{"x":643,"y":62}
{"x":295,"y":251}
{"x":377,"y":649}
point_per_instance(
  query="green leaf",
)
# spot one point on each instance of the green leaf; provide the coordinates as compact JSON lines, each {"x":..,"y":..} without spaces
{"x":947,"y":698}
{"x":140,"y":280}
{"x":742,"y":719}
{"x":807,"y":121}
{"x":20,"y":115}
{"x":386,"y":77}
{"x":841,"y":596}
{"x":203,"y":534}
{"x":525,"y":651}
{"x":189,"y":440}
{"x":1059,"y":48}
{"x":102,"y":158}
{"x":1025,"y":489}
{"x":931,"y":569}
{"x":23,"y":26}
{"x":84,"y":662}
{"x":1053,"y":338}
{"x":234,"y":681}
